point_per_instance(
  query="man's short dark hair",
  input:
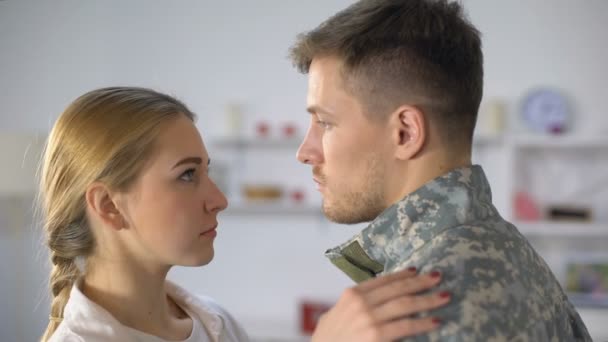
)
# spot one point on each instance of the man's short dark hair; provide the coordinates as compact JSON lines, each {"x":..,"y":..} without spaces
{"x":420,"y":52}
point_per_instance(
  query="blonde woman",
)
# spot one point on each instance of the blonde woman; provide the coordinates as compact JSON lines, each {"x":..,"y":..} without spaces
{"x":125,"y":195}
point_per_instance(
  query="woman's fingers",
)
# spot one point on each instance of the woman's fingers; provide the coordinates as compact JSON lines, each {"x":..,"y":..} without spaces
{"x":407,"y":305}
{"x":407,"y":327}
{"x":380,"y":309}
{"x":399,"y":287}
{"x":374,"y":283}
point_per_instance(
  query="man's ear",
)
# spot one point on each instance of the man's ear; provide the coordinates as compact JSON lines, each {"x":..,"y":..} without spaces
{"x":409,"y":131}
{"x":102,"y":204}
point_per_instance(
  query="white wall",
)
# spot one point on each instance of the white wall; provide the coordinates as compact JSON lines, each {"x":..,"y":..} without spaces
{"x":210,"y":53}
{"x":23,"y":263}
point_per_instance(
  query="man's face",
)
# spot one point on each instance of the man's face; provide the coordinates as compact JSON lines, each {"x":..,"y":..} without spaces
{"x":348,"y":153}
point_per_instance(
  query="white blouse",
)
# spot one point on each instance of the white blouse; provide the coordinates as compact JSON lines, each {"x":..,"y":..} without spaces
{"x":85,"y":321}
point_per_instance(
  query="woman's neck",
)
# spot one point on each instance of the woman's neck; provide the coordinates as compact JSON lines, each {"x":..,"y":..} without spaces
{"x":135,"y":295}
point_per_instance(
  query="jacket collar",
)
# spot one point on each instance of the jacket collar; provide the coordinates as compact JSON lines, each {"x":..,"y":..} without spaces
{"x":440,"y":204}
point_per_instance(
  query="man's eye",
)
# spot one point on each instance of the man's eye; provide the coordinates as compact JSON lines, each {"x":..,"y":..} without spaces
{"x":323,"y":124}
{"x":188,"y":175}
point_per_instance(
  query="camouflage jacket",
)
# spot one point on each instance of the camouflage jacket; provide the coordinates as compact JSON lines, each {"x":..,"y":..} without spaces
{"x":502,"y":290}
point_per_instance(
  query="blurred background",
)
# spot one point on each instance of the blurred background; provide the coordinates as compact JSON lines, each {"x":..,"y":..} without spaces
{"x":542,"y":137}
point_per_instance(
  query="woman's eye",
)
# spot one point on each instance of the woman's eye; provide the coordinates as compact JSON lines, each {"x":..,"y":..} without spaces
{"x":188,"y":175}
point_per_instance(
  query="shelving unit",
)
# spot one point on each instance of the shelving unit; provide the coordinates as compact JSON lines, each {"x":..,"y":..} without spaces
{"x":272,"y":208}
{"x":507,"y":151}
{"x":554,"y":170}
{"x":502,"y":166}
{"x":567,"y":142}
{"x":541,"y":141}
{"x":507,"y":160}
{"x":253,"y":143}
{"x":242,"y":149}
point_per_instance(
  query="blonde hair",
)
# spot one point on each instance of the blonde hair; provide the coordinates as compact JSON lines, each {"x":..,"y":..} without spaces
{"x":105,"y":135}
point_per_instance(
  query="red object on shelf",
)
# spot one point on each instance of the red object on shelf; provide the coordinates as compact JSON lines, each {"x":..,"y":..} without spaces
{"x":310,"y":312}
{"x":297,"y":196}
{"x":525,"y":207}
{"x":262,"y":128}
{"x":289,"y":130}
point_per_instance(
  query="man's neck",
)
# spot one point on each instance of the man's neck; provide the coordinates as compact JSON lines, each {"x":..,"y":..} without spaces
{"x":421,"y":171}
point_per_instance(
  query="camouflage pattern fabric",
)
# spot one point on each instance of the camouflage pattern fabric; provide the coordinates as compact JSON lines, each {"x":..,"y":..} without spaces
{"x":502,"y":290}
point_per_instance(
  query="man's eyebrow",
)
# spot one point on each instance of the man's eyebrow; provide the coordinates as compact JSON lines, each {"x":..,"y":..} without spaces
{"x":190,"y":160}
{"x":317,"y":109}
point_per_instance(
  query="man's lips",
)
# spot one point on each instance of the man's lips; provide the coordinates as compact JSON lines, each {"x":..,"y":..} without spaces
{"x":318,"y":178}
{"x":320,"y":185}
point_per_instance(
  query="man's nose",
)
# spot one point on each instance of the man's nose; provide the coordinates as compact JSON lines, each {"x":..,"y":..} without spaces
{"x":310,"y":151}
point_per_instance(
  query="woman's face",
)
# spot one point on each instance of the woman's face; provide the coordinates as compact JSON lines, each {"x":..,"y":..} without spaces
{"x":172,"y":208}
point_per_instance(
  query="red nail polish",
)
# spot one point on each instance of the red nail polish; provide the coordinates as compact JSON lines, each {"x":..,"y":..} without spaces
{"x":445,"y":294}
{"x":436,"y":320}
{"x":411,"y":269}
{"x":435,"y":274}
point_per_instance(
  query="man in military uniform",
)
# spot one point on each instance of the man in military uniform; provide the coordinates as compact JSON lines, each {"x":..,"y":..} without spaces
{"x":394,"y":90}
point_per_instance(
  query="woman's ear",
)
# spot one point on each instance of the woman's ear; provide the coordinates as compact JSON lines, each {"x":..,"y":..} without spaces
{"x":102,"y":204}
{"x":409,"y":131}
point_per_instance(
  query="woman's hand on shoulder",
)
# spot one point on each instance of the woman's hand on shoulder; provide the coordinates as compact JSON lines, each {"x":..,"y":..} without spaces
{"x":381,"y":309}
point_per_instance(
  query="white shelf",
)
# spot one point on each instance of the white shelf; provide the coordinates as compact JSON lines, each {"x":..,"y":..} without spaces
{"x":272,"y":209}
{"x":563,"y":229}
{"x":559,"y":141}
{"x":245,"y":142}
{"x":516,"y":140}
{"x":542,"y":141}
